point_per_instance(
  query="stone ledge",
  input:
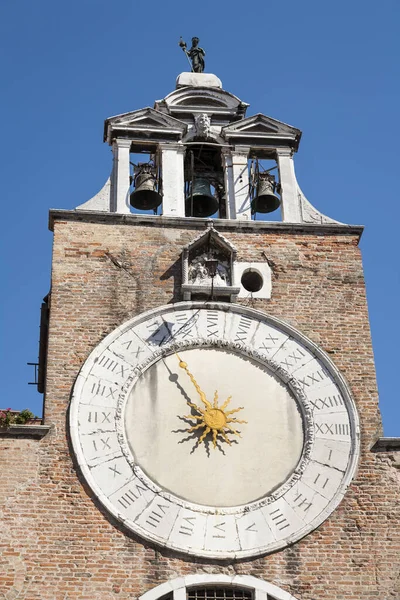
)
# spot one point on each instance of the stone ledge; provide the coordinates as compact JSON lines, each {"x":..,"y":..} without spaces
{"x":27,"y":431}
{"x":194,"y":223}
{"x":387,"y":444}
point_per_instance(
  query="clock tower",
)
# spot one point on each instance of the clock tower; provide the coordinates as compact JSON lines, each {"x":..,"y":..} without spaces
{"x":210,"y":385}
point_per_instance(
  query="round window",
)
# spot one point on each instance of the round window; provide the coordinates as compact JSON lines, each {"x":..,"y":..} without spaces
{"x":252,"y":281}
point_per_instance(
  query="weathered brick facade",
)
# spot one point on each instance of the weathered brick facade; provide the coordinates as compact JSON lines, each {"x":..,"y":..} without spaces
{"x":57,"y":543}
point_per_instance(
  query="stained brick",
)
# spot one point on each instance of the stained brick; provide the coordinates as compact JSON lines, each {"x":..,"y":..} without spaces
{"x":55,"y":541}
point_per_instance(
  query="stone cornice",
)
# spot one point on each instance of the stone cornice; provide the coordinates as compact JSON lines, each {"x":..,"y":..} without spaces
{"x":194,"y":223}
{"x":387,"y":444}
{"x":26,"y":431}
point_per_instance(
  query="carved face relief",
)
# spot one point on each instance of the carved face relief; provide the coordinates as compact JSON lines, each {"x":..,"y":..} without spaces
{"x":202,"y":125}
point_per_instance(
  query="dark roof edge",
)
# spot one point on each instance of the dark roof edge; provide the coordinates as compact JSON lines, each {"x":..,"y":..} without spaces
{"x":386,"y":444}
{"x":25,"y":431}
{"x":193,"y":222}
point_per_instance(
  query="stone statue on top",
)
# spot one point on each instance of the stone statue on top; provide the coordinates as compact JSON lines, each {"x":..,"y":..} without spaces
{"x":195,"y":55}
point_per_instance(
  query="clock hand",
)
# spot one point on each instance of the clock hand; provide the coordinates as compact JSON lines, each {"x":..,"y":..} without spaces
{"x":202,"y":395}
{"x":214,"y":418}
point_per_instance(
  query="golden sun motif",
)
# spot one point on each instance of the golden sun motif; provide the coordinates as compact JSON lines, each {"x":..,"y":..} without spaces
{"x":214,"y":419}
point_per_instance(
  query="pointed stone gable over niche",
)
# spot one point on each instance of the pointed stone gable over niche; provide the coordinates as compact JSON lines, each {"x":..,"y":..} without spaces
{"x":213,"y":236}
{"x":197,"y":281}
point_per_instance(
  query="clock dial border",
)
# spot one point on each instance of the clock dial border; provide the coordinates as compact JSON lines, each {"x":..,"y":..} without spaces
{"x":271,"y":523}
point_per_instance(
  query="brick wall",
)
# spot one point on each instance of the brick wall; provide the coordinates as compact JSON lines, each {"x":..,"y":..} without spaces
{"x":57,"y":543}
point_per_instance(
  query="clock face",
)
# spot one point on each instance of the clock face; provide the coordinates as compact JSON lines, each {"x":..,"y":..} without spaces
{"x":214,"y":430}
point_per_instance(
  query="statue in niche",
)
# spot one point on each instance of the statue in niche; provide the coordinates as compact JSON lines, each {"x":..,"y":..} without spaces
{"x":199,"y":274}
{"x":195,"y":55}
{"x":203,"y":125}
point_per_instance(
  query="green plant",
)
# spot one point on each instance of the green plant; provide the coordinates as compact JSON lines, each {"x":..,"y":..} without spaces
{"x":9,"y":417}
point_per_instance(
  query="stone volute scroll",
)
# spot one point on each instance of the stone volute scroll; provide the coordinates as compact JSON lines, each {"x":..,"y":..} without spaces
{"x":208,"y":267}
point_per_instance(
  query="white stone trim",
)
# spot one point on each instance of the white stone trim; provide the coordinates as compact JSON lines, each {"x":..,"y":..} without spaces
{"x":100,"y":201}
{"x":263,"y":269}
{"x":207,"y":80}
{"x":121,"y":174}
{"x":210,"y":100}
{"x":263,"y":590}
{"x":229,"y":183}
{"x":236,"y":174}
{"x":309,"y":214}
{"x":290,"y":200}
{"x":173,"y":180}
{"x":240,"y":170}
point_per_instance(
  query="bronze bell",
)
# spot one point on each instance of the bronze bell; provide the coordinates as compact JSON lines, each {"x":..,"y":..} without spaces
{"x":145,"y":195}
{"x":266,"y":200}
{"x":204,"y":203}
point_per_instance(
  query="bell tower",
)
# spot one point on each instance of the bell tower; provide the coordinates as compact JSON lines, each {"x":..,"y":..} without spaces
{"x":210,"y":386}
{"x":205,"y":159}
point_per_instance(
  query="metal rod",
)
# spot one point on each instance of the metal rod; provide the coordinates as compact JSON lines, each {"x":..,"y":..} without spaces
{"x":189,"y":61}
{"x":182,"y":44}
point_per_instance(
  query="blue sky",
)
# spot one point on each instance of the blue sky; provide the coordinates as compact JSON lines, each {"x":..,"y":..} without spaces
{"x":329,"y":68}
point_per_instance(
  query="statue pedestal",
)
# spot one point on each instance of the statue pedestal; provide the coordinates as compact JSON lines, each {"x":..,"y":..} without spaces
{"x":198,"y":80}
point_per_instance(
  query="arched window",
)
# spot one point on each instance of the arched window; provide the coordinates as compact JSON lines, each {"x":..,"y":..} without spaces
{"x":216,"y":587}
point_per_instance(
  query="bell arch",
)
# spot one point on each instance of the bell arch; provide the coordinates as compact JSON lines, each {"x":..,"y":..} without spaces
{"x":180,"y":588}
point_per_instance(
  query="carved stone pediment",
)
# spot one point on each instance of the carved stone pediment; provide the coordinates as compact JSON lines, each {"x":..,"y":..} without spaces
{"x":146,"y":122}
{"x":260,"y":127}
{"x":191,"y":100}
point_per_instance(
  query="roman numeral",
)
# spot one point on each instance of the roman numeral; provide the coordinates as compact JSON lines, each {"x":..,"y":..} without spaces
{"x":220,"y":533}
{"x":251,"y":528}
{"x":111,"y":365}
{"x":105,"y":391}
{"x":99,"y":417}
{"x":342,"y":429}
{"x":212,"y":323}
{"x":313,"y":378}
{"x":302,"y":502}
{"x":106,"y":445}
{"x":268,"y":343}
{"x":115,"y":470}
{"x":322,"y":482}
{"x":243,"y":329}
{"x":186,"y":325}
{"x":327,"y":402}
{"x":155,"y":517}
{"x":187,"y":526}
{"x":131,"y":496}
{"x":279,"y":519}
{"x":293,"y":358}
{"x":160,"y":333}
{"x":333,"y":428}
{"x":128,"y":344}
{"x":137,"y":352}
